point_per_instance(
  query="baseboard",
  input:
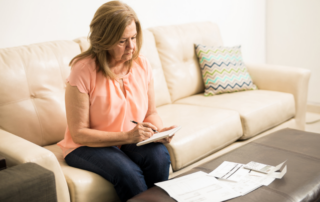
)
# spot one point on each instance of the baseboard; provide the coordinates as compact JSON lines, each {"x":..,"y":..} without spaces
{"x":313,"y":107}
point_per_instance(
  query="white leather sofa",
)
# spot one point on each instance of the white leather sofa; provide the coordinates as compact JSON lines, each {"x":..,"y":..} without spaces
{"x":33,"y":120}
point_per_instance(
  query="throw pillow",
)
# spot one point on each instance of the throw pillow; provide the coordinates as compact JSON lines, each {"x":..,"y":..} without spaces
{"x":223,"y":70}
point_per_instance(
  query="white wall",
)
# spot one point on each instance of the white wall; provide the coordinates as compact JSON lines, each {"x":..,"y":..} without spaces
{"x":293,"y":38}
{"x":32,"y":21}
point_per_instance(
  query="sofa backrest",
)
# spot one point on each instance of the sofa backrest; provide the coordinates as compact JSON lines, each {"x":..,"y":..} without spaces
{"x":175,"y":45}
{"x":149,"y":50}
{"x":32,"y":86}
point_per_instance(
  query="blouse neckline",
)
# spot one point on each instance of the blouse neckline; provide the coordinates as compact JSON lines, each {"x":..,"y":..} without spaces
{"x":125,"y":76}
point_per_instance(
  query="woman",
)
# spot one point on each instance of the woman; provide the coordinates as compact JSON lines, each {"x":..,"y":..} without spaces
{"x":109,"y":85}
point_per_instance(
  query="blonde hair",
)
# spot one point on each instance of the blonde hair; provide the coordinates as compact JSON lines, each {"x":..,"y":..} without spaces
{"x":106,"y":29}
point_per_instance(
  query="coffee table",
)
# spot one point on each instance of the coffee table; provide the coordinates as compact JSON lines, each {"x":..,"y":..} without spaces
{"x":301,"y":182}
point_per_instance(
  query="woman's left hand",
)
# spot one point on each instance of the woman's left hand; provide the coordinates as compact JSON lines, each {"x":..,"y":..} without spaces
{"x":167,"y":139}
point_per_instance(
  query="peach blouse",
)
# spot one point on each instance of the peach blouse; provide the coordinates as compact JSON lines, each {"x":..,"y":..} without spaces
{"x":110,"y":109}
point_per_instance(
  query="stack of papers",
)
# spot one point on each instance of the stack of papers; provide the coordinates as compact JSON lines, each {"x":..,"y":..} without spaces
{"x":227,"y":181}
{"x":197,"y":187}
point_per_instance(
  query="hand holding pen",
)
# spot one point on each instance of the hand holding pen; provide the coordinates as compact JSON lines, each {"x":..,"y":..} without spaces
{"x":137,"y":123}
{"x":164,"y":140}
{"x":141,"y":132}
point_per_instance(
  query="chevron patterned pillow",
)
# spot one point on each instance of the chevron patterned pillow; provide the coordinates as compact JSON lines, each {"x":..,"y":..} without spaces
{"x":223,"y":70}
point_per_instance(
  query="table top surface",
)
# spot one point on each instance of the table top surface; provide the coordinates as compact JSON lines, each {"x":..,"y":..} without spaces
{"x":301,"y":182}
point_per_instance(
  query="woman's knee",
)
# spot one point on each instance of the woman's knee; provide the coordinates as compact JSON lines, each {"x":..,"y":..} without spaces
{"x":130,"y":176}
{"x":159,"y":154}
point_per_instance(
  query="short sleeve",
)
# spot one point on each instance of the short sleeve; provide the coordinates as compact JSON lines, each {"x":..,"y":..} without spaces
{"x":81,"y":76}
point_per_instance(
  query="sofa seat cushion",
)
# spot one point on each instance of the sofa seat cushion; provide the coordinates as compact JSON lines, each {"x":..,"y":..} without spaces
{"x":204,"y":131}
{"x":84,"y":185}
{"x":260,"y":110}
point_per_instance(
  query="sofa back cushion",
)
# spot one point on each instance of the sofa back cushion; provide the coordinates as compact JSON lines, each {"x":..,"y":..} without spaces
{"x":180,"y":64}
{"x":32,"y":86}
{"x":149,"y":50}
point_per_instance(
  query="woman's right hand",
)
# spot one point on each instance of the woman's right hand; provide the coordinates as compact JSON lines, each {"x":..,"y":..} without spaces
{"x":141,"y":131}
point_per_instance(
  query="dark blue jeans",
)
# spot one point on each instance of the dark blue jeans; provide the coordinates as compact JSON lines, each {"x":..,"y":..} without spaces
{"x":130,"y":169}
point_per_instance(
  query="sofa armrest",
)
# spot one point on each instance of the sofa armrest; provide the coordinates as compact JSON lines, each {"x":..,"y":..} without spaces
{"x":284,"y":79}
{"x":17,"y":151}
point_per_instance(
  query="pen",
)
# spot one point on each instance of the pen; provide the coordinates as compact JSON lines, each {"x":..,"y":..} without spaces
{"x":137,"y":123}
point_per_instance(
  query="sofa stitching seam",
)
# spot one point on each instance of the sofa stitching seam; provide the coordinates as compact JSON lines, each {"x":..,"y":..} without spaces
{"x":34,"y":106}
{"x":13,"y":102}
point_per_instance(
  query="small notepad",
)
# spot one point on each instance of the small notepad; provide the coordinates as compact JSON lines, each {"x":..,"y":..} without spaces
{"x":158,"y":136}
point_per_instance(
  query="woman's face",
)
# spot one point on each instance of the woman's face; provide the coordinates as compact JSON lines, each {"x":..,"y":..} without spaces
{"x":123,"y":50}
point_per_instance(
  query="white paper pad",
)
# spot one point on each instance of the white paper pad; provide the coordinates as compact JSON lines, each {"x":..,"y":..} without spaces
{"x":158,"y":136}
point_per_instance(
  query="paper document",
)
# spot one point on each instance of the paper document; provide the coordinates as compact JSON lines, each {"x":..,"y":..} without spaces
{"x":158,"y":136}
{"x":241,"y":180}
{"x":229,"y":171}
{"x":227,"y":181}
{"x":197,"y":187}
{"x":272,"y":171}
{"x":244,"y":186}
{"x":262,"y":178}
{"x":259,"y":167}
{"x":279,"y":175}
